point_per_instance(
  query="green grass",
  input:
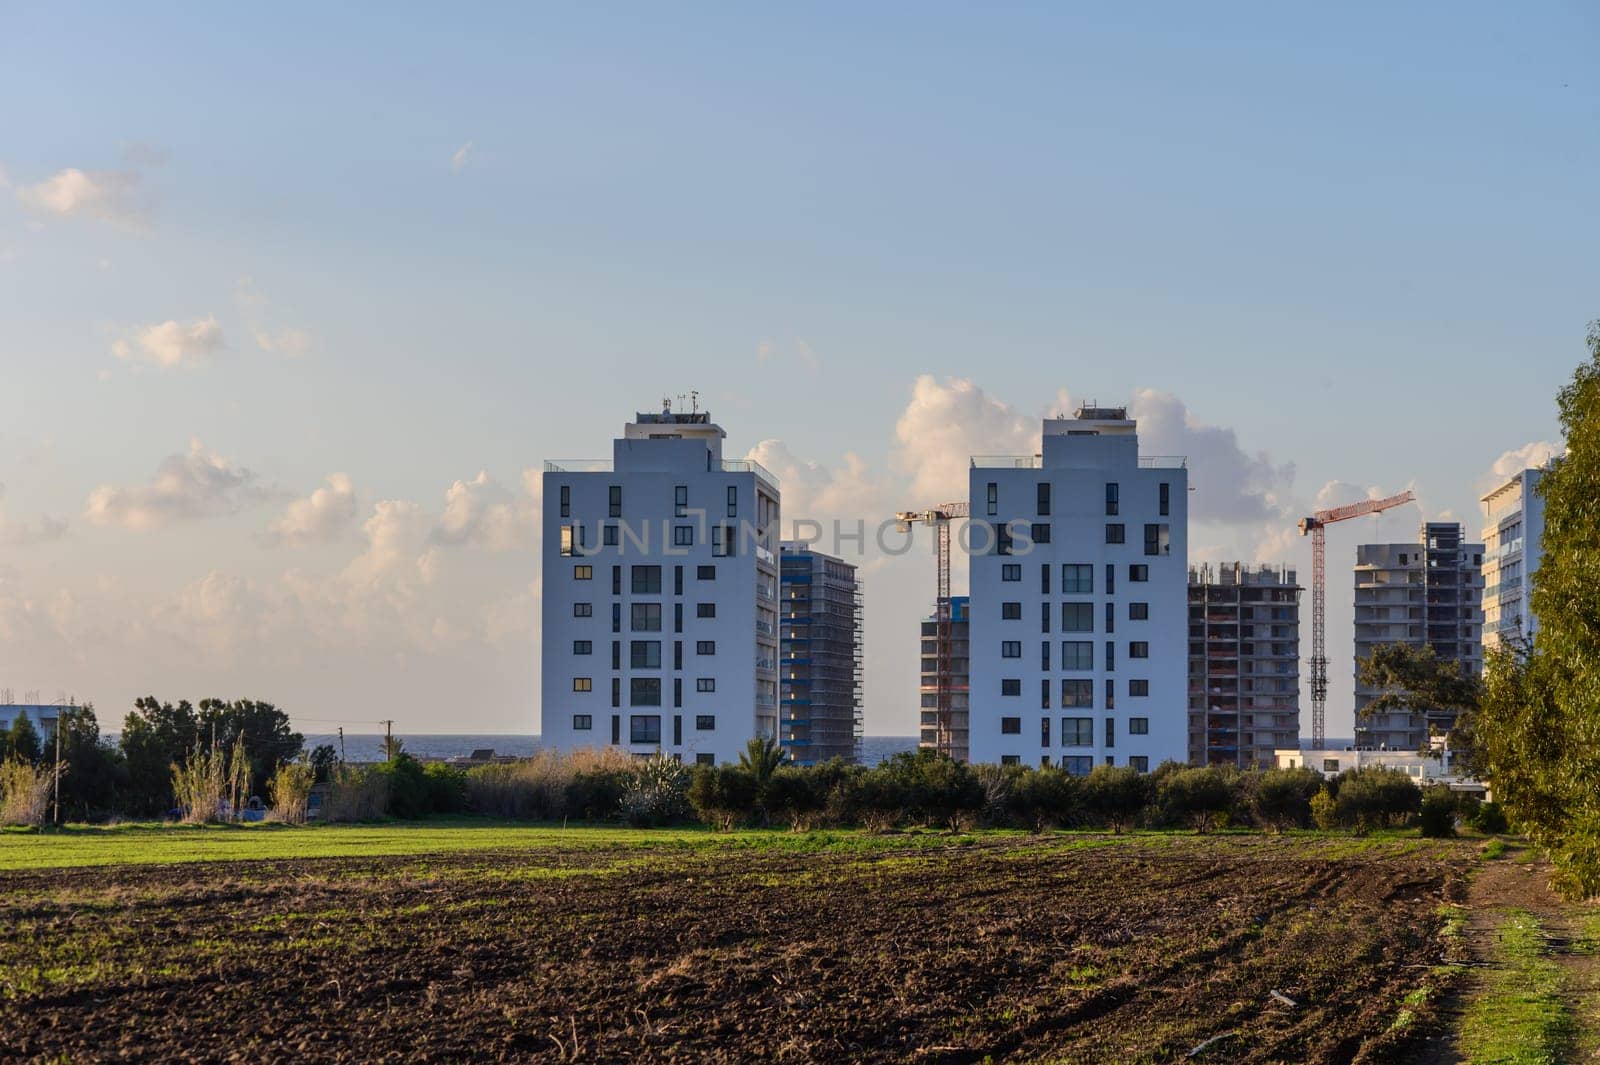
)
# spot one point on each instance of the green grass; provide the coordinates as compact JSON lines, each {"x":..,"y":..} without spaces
{"x":1495,"y":848}
{"x":1519,"y":1018}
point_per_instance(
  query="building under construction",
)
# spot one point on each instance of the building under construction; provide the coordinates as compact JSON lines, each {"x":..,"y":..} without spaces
{"x":956,"y":743}
{"x":1244,"y":664}
{"x":819,"y":665}
{"x":1426,"y":593}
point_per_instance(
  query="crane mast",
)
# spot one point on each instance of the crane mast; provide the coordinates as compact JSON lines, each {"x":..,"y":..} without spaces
{"x":1315,"y":526}
{"x":944,"y":670}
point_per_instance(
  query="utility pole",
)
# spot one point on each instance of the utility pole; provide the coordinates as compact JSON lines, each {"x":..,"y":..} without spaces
{"x":341,"y":745}
{"x":59,"y":711}
{"x":388,"y":741}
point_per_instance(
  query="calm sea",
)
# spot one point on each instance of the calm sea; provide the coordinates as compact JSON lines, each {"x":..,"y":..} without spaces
{"x":362,"y":747}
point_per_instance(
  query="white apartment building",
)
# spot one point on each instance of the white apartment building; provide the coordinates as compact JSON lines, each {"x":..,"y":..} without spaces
{"x":1513,"y":531}
{"x":1078,"y":605}
{"x":660,"y":601}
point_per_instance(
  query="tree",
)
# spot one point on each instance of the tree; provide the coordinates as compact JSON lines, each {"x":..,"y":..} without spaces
{"x":322,"y":761}
{"x":1539,"y":728}
{"x":22,"y":740}
{"x":1416,"y":681}
{"x":1282,"y":797}
{"x":263,"y":728}
{"x":155,"y":737}
{"x":95,"y":772}
{"x":1202,"y":797}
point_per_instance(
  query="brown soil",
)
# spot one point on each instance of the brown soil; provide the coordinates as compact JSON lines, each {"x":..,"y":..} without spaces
{"x":1010,"y":949}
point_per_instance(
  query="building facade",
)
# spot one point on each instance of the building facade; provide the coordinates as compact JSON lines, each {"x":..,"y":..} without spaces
{"x":819,"y":657}
{"x":1422,"y":594}
{"x":960,"y":680}
{"x":660,"y":596}
{"x":1078,"y":600}
{"x":1513,"y":530}
{"x":1244,"y":664}
{"x":42,"y":717}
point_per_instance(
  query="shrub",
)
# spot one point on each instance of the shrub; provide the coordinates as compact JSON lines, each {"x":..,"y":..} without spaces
{"x":1201,"y":798}
{"x":211,"y":785}
{"x":552,"y":786}
{"x":1490,"y":818}
{"x":1044,"y":798}
{"x":406,"y":787}
{"x":447,"y":788}
{"x":1116,"y":796}
{"x":1325,"y":810}
{"x":797,"y":796}
{"x":723,"y":796}
{"x":1282,"y":797}
{"x":1438,"y":818}
{"x":656,"y":793}
{"x":24,"y":793}
{"x":1372,"y":798}
{"x":356,"y":793}
{"x":924,"y":787}
{"x":290,"y":789}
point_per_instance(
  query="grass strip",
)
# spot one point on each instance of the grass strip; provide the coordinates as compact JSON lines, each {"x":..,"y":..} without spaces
{"x":1519,"y":1018}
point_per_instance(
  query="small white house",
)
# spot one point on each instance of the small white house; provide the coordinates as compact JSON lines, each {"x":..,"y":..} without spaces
{"x":1429,"y":769}
{"x":43,"y":717}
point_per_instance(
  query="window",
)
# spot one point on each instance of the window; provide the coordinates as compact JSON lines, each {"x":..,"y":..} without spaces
{"x":1044,"y":654}
{"x":680,"y":500}
{"x":1141,"y":572}
{"x":644,"y":691}
{"x":1111,"y":694}
{"x":722,"y":541}
{"x":705,"y":573}
{"x":616,"y":654}
{"x":1011,"y":571}
{"x":705,"y":758}
{"x":1077,"y":765}
{"x":1077,"y":579}
{"x":646,"y":617}
{"x":1116,"y":533}
{"x":1077,"y":654}
{"x":566,"y":501}
{"x":1044,"y":617}
{"x":1011,"y":726}
{"x":1043,"y":507}
{"x":1139,"y":763}
{"x":1111,"y":617}
{"x":644,"y":728}
{"x":1010,"y":687}
{"x":705,"y":647}
{"x":616,"y":617}
{"x":1077,"y":617}
{"x":582,"y":722}
{"x":1040,"y":532}
{"x":1044,"y":578}
{"x":583,"y":610}
{"x":1011,"y":649}
{"x":583,"y":684}
{"x":1077,"y":732}
{"x":677,"y":693}
{"x":647,"y":580}
{"x":705,"y":610}
{"x":1166,"y":498}
{"x":705,"y":684}
{"x":1138,"y":649}
{"x":644,"y":654}
{"x":614,"y":501}
{"x":677,"y":734}
{"x":683,"y":536}
{"x":1111,"y":579}
{"x":582,"y":647}
{"x":1077,"y":694}
{"x":1138,"y":687}
{"x":616,"y":727}
{"x":1158,"y":539}
{"x":1044,"y":732}
{"x":582,"y":573}
{"x":705,"y":722}
{"x":677,"y":617}
{"x":569,"y":541}
{"x":677,"y":654}
{"x":1113,"y":497}
{"x":1111,"y":732}
{"x":616,"y":580}
{"x":1111,"y":656}
{"x":1044,"y":691}
{"x":608,"y":536}
{"x":677,"y":580}
{"x":994,"y":499}
{"x":1138,"y":611}
{"x":1011,"y":759}
{"x":733,"y":501}
{"x":1010,"y":611}
{"x":1138,"y":726}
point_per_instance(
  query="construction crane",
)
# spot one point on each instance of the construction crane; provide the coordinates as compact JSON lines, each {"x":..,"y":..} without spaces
{"x":1314,"y":527}
{"x":944,"y":683}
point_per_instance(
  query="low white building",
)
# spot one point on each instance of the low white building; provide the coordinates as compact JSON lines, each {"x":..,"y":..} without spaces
{"x":660,"y":595}
{"x":42,"y":717}
{"x":1079,"y":600}
{"x":1425,"y":769}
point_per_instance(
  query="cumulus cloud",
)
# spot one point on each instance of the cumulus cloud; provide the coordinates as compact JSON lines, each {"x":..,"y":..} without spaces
{"x":1231,"y":485}
{"x":107,"y":195}
{"x":269,"y":335}
{"x":172,"y":343}
{"x":813,"y":491}
{"x":1513,"y":462}
{"x":1396,"y":525}
{"x":943,"y":425}
{"x":197,"y":484}
{"x":483,"y":513}
{"x":459,"y":158}
{"x":22,"y":533}
{"x":323,"y":517}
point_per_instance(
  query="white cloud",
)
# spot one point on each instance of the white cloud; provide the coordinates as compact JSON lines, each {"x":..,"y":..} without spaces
{"x":942,"y":427}
{"x":22,"y":533}
{"x":268,"y":335}
{"x":172,"y":343}
{"x":1395,"y":525}
{"x":483,"y":513}
{"x":108,"y":195}
{"x":459,"y":158}
{"x":813,"y":491}
{"x":1513,"y":462}
{"x":1230,"y":486}
{"x":198,"y":484}
{"x":323,"y":517}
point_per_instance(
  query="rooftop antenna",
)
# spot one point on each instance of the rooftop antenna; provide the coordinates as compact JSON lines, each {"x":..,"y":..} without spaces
{"x":666,"y":404}
{"x":694,"y":401}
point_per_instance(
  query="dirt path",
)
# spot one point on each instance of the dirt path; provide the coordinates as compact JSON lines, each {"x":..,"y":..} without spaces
{"x":1520,"y":882}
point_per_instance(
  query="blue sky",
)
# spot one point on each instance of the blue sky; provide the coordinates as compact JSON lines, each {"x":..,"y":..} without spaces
{"x":1360,"y":238}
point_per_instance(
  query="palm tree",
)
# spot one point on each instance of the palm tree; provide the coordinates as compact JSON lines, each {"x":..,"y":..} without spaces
{"x":761,"y":758}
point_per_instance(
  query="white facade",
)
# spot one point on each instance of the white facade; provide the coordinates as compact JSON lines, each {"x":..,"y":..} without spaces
{"x":1513,"y":531}
{"x":1425,"y":769}
{"x":660,"y":598}
{"x":1079,"y":654}
{"x":43,"y":718}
